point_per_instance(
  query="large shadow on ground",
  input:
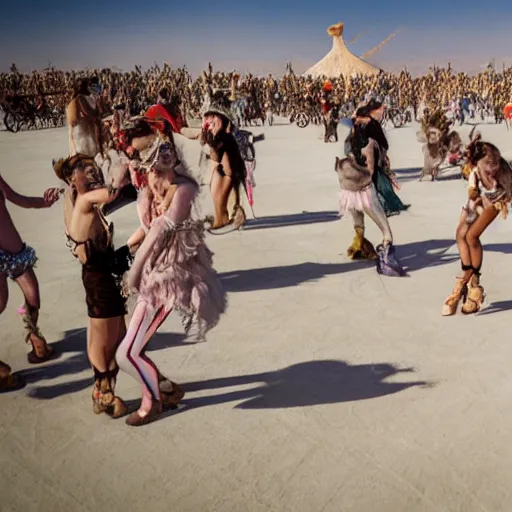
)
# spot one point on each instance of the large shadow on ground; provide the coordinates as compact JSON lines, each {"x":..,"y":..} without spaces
{"x":294,"y":219}
{"x":414,"y":256}
{"x":305,"y":384}
{"x":74,"y":341}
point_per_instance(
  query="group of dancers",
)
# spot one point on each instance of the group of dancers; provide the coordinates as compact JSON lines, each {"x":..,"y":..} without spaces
{"x":367,"y":183}
{"x":165,"y":264}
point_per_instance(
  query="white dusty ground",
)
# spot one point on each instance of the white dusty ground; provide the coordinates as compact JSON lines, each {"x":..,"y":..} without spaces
{"x":324,"y":388}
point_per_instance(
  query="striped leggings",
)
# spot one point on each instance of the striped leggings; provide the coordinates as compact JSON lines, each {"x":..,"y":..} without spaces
{"x":131,"y":356}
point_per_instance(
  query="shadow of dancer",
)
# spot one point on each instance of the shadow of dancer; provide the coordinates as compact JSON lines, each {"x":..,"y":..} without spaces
{"x":496,"y":307}
{"x":306,"y":384}
{"x":414,"y":256}
{"x":74,"y":342}
{"x":269,"y":278}
{"x":293,"y":219}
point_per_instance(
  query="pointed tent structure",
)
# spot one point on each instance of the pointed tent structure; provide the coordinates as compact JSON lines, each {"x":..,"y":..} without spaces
{"x":340,"y":61}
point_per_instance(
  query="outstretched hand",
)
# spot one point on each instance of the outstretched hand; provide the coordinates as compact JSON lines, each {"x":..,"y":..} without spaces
{"x":52,"y":195}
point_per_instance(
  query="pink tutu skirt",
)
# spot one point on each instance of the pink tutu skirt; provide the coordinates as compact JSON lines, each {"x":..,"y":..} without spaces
{"x":179,"y":274}
{"x":359,"y":201}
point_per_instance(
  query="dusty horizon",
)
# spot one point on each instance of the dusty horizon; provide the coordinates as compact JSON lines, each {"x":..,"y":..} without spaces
{"x":416,"y":67}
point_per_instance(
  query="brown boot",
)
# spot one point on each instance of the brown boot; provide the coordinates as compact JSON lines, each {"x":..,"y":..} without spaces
{"x":136,"y":420}
{"x":41,"y":351}
{"x":460,"y":291}
{"x":8,"y":380}
{"x":368,"y":252}
{"x":103,"y":396}
{"x":171,"y":393}
{"x":475,"y":296}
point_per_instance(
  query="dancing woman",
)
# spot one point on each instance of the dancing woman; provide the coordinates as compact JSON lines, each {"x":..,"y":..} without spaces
{"x":359,"y":196}
{"x":90,"y":239}
{"x":369,"y":117}
{"x":16,"y":262}
{"x":228,"y":167}
{"x":489,"y":193}
{"x":172,"y":268}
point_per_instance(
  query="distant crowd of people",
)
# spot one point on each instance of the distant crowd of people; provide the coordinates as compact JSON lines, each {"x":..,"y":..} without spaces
{"x":259,"y":98}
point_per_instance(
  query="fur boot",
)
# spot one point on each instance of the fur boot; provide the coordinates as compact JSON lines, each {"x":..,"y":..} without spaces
{"x":361,"y":248}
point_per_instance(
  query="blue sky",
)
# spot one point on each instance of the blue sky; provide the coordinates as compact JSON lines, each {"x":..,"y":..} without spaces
{"x":259,"y":35}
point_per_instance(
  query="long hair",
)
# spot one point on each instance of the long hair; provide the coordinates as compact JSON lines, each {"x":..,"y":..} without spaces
{"x":476,"y":150}
{"x":81,"y":87}
{"x":356,"y":141}
{"x":366,"y":110}
{"x":216,"y":141}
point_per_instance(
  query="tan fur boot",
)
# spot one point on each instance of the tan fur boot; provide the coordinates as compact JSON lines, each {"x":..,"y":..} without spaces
{"x":475,"y":296}
{"x":239,"y":217}
{"x":361,"y":248}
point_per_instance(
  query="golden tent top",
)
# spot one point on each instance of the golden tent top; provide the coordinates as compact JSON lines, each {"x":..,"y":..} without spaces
{"x":335,"y":30}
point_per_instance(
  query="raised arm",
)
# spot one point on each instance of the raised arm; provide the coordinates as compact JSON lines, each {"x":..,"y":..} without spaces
{"x":50,"y":196}
{"x":99,"y":196}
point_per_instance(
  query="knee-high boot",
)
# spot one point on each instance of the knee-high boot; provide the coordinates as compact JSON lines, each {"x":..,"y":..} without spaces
{"x":104,"y":398}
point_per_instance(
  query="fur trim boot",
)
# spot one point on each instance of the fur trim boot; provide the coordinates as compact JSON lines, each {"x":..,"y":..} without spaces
{"x":361,"y":248}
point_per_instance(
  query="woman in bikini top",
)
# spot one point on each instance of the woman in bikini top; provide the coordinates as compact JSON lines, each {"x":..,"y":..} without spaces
{"x":97,"y":251}
{"x":90,"y":240}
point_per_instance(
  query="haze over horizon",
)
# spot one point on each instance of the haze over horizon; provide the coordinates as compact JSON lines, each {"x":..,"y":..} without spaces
{"x":260,"y":38}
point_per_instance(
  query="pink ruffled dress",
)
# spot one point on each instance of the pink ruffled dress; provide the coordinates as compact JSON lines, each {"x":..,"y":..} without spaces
{"x":173,"y":268}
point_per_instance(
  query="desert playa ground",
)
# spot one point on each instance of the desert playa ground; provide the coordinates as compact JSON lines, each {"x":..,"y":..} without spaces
{"x":324,"y":388}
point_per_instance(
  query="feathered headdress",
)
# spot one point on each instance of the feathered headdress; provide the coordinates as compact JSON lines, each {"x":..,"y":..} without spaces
{"x":160,"y":155}
{"x":163,"y":155}
{"x":436,"y":119}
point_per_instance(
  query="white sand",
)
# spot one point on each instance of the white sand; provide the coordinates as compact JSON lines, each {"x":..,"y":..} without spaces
{"x":297,"y":401}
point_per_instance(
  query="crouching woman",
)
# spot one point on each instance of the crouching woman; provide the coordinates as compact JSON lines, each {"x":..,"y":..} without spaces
{"x":489,"y":193}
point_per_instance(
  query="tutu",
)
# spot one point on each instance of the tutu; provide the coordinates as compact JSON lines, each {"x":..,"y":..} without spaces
{"x":359,"y":201}
{"x":178,"y":274}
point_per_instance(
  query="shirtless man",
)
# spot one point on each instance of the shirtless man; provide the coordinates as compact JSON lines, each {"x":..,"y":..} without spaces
{"x":16,"y":262}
